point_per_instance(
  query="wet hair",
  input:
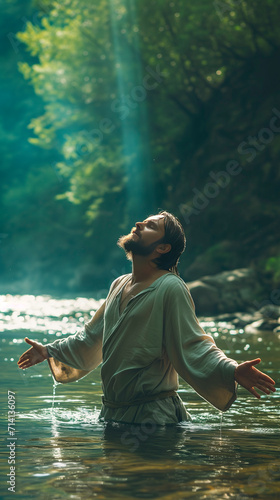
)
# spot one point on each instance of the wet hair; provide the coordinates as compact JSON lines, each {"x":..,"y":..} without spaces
{"x":175,"y":236}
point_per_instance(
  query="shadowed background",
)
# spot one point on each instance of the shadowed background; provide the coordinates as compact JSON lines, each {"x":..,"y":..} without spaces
{"x":114,"y":110}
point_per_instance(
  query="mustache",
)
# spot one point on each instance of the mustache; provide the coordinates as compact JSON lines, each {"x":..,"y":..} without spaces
{"x":135,"y":231}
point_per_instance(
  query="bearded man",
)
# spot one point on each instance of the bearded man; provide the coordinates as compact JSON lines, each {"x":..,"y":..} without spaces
{"x":145,"y":334}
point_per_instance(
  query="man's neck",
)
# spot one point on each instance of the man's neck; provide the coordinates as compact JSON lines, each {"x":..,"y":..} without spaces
{"x":144,"y":270}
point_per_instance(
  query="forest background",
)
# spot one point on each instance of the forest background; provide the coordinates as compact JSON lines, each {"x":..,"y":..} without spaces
{"x":113,"y":110}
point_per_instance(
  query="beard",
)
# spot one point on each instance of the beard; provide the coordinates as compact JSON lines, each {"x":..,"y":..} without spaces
{"x":132,"y":247}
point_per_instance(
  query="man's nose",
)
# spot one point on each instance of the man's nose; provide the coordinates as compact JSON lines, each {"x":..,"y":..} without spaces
{"x":139,"y":225}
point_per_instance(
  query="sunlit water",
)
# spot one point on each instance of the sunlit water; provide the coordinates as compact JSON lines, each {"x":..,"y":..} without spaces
{"x":63,"y":451}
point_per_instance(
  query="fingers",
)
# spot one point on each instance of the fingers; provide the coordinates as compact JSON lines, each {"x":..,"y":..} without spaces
{"x":27,"y":361}
{"x":255,"y":393}
{"x":24,"y":356}
{"x":266,"y":378}
{"x":35,"y":354}
{"x":24,"y":364}
{"x":30,"y":342}
{"x":24,"y":360}
{"x":251,"y":378}
{"x":260,"y":388}
{"x":271,"y":387}
{"x":264,"y":383}
{"x":254,"y":362}
{"x":262,"y":377}
{"x":267,"y":389}
{"x":267,"y":381}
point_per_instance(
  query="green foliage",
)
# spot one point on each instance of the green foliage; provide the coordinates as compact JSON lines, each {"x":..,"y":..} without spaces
{"x":273,"y":265}
{"x":140,"y":102}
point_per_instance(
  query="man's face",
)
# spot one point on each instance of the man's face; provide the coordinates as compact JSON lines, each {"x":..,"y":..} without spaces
{"x":144,"y":237}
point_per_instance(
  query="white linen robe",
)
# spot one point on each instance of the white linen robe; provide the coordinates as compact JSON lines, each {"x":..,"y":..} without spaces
{"x":143,"y":349}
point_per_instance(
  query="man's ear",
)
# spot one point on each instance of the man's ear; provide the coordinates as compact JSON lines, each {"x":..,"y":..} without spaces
{"x":163,"y":248}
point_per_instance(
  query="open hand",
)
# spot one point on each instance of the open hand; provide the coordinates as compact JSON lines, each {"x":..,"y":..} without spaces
{"x":36,"y":354}
{"x":250,"y":377}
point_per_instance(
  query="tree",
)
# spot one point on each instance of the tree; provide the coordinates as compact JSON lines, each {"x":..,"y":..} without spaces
{"x":146,"y":103}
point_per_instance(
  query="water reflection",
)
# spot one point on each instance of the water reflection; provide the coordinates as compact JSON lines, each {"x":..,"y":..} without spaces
{"x":44,"y":314}
{"x":64,"y":451}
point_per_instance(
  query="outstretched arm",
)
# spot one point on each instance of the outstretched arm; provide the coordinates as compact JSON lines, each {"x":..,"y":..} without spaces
{"x":36,"y":354}
{"x":81,"y":352}
{"x":251,"y":378}
{"x":39,"y":352}
{"x":198,"y":360}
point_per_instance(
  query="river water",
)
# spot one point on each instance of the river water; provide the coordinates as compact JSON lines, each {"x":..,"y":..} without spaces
{"x":61,"y":451}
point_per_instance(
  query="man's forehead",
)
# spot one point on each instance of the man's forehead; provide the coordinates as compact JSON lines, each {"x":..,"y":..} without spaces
{"x":154,"y":218}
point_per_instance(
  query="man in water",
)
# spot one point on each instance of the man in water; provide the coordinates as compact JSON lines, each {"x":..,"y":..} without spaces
{"x":145,"y":334}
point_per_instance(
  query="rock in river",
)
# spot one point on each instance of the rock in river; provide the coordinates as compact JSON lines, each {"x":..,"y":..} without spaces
{"x":226,"y":292}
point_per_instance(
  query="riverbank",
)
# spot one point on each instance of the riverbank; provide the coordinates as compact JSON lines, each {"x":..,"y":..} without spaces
{"x":240,"y":297}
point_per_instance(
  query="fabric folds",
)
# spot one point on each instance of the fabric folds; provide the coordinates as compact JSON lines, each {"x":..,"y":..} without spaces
{"x":143,"y":349}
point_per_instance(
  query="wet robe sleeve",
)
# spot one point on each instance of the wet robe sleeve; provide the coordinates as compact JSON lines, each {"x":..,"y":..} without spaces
{"x":74,"y":357}
{"x":193,"y":353}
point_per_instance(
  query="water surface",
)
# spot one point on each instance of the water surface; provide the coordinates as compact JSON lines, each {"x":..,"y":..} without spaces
{"x":63,"y":451}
